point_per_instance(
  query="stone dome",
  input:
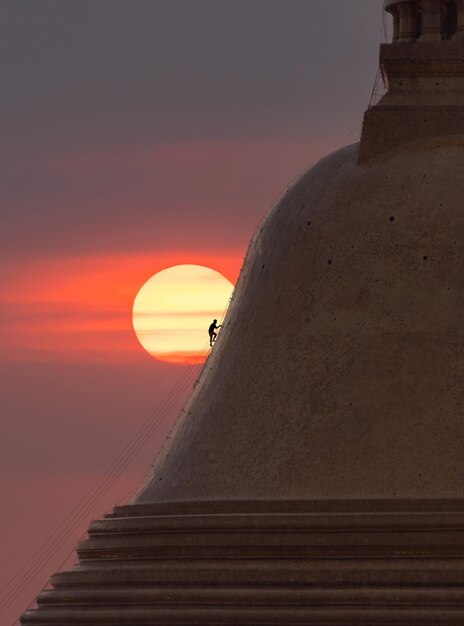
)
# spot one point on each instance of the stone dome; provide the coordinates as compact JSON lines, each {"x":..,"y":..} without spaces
{"x":339,"y":372}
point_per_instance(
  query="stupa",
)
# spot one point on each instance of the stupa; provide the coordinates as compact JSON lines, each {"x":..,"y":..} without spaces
{"x":317,"y":475}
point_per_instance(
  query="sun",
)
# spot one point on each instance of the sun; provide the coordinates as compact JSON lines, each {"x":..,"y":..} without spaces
{"x":174,"y":308}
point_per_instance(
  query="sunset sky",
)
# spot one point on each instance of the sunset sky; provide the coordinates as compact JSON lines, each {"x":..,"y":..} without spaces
{"x":138,"y":135}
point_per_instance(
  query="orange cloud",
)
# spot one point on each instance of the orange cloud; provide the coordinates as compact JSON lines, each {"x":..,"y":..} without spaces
{"x":81,"y":308}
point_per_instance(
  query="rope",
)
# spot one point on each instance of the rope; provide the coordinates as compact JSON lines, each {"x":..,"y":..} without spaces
{"x":55,"y":541}
{"x":384,"y":37}
{"x":374,"y":88}
{"x":60,"y":567}
{"x":140,"y":481}
{"x":56,"y":544}
{"x":138,"y":485}
{"x":380,"y":77}
{"x":85,"y":510}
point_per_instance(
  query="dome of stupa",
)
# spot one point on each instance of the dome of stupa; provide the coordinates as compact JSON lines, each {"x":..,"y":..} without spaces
{"x":339,"y":373}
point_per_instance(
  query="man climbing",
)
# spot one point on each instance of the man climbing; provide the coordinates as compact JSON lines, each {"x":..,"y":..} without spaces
{"x":212,"y":334}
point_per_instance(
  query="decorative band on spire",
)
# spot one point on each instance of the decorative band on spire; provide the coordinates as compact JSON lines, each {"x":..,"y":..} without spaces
{"x":425,"y":20}
{"x":423,"y":69}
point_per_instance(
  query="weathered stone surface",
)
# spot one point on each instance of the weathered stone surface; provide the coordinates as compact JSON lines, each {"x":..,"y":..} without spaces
{"x":339,"y":373}
{"x":274,"y":563}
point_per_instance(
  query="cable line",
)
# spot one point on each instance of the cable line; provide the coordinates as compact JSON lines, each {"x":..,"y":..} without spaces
{"x":67,"y":532}
{"x":103,"y":476}
{"x":55,"y":541}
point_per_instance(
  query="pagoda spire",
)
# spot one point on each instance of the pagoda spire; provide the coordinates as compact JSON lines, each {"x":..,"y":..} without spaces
{"x":423,"y":68}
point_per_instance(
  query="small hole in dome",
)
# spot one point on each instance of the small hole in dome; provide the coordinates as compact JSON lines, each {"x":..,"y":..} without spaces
{"x":309,"y":223}
{"x":329,"y":262}
{"x":263,"y":266}
{"x":401,"y":83}
{"x":425,"y":257}
{"x":392,"y":219}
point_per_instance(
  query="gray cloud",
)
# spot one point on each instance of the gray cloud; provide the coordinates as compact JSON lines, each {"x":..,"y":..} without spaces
{"x":84,"y":80}
{"x":150,"y":70}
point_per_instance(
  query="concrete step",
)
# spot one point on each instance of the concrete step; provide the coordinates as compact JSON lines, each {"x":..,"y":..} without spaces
{"x":309,"y":616}
{"x":294,"y":563}
{"x":266,"y":571}
{"x":268,"y":507}
{"x":277,"y":596}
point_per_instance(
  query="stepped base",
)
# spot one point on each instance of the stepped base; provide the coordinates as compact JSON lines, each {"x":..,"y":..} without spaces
{"x":275,"y":563}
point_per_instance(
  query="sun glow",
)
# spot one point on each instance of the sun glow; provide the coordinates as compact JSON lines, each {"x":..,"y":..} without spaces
{"x":174,"y":308}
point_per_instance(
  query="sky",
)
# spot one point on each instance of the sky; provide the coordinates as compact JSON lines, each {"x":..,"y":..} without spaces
{"x":138,"y":135}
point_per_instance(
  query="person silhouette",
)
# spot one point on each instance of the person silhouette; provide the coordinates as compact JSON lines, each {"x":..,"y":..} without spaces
{"x":212,"y":334}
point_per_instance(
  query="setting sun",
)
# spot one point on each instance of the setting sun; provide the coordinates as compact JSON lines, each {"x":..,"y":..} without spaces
{"x":173,"y":309}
